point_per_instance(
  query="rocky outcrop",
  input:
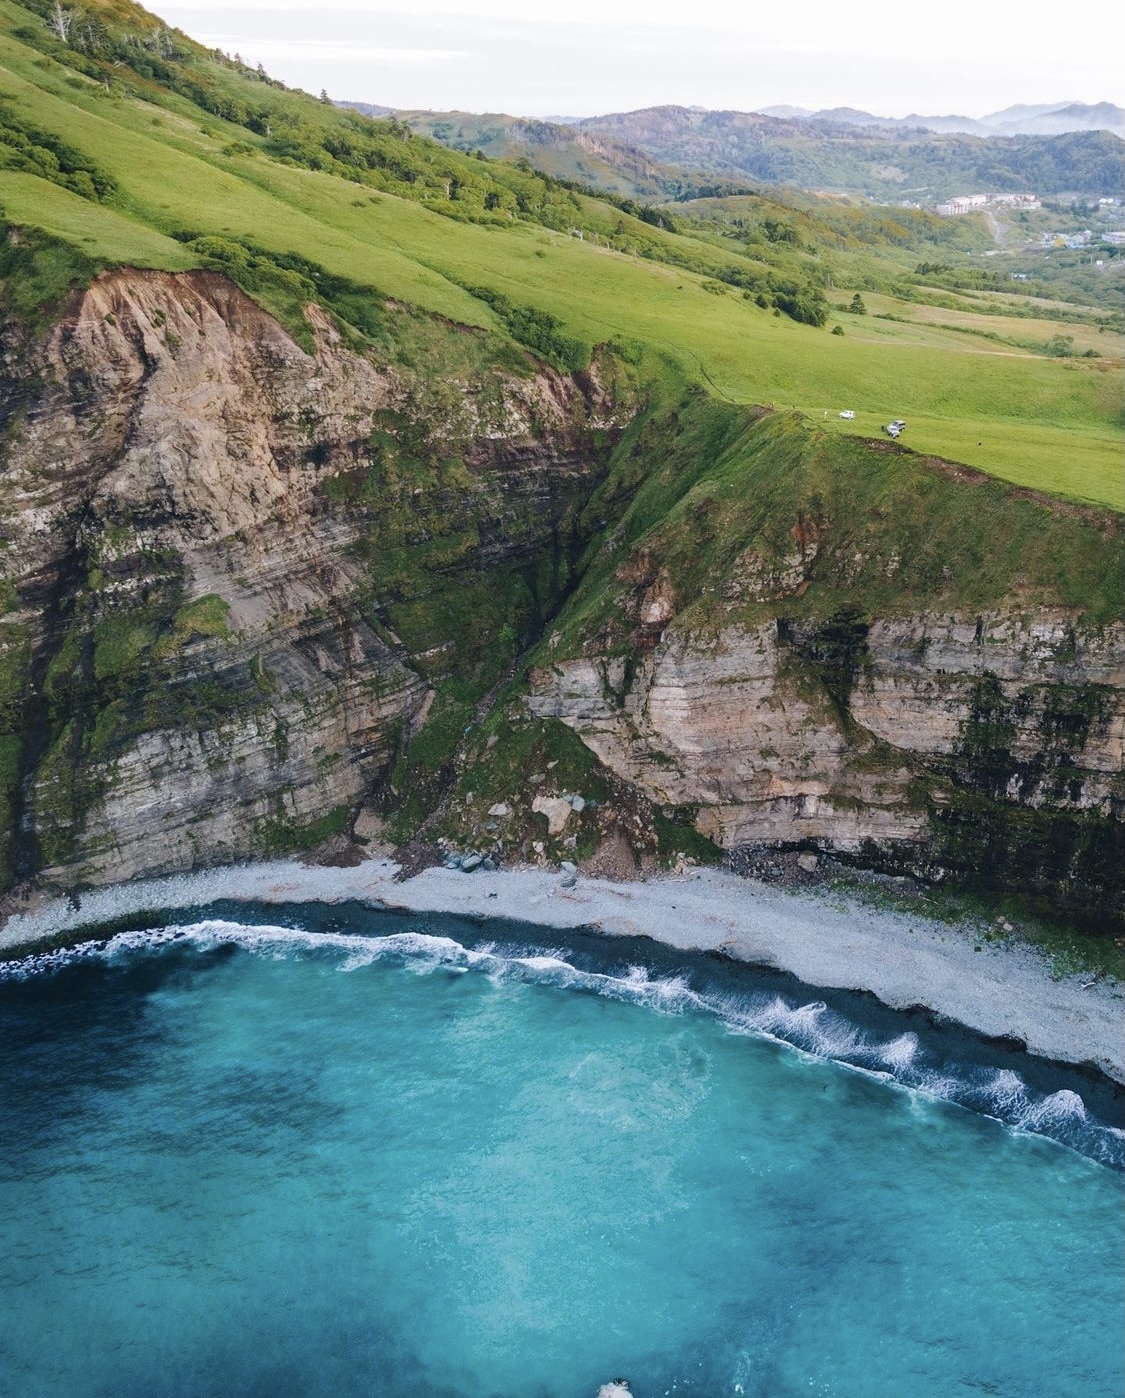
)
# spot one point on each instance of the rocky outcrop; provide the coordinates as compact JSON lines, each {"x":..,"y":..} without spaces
{"x":199,"y":657}
{"x":1021,"y":713}
{"x":738,"y":727}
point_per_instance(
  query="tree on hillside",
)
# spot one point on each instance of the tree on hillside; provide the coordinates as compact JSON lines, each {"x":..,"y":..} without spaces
{"x":60,"y":22}
{"x":857,"y":306}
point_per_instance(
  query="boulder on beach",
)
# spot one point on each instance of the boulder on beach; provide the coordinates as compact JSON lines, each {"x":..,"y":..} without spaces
{"x":557,"y":810}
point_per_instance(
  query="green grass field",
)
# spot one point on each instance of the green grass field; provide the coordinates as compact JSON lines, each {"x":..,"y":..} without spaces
{"x":1052,"y":425}
{"x":1013,"y":333}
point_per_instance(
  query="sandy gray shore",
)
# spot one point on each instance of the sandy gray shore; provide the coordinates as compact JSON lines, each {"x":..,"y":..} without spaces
{"x":995,"y":987}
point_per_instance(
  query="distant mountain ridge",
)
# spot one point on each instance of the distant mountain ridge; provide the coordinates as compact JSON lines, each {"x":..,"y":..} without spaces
{"x":673,"y":153}
{"x":560,"y":148}
{"x":842,"y":152}
{"x":1041,"y":119}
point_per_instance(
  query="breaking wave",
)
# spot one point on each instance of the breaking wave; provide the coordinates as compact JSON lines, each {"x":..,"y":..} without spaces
{"x":811,"y":1027}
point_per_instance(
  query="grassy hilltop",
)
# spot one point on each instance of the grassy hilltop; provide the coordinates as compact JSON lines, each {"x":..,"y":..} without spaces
{"x":129,"y":144}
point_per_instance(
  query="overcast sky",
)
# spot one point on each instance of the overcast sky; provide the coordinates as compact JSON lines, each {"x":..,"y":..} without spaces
{"x":592,"y":56}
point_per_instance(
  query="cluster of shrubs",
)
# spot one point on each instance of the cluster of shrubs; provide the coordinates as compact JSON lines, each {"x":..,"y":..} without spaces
{"x":536,"y":329}
{"x":26,"y":147}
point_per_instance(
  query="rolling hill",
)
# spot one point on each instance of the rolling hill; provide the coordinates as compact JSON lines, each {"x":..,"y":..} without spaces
{"x":158,"y":152}
{"x":676,"y":152}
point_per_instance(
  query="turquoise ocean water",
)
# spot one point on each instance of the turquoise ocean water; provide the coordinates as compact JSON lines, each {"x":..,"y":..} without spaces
{"x":311,"y":1152}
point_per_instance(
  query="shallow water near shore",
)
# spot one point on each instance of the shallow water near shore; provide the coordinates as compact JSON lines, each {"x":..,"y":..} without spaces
{"x":334,"y":1151}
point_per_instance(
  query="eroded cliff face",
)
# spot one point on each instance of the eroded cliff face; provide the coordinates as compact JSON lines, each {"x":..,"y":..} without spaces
{"x":250,"y":591}
{"x":739,"y":727}
{"x":202,"y":525}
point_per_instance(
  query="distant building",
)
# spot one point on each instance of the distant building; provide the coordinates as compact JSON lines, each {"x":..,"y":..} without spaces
{"x":966,"y":203}
{"x":962,"y":204}
{"x":1115,"y":237}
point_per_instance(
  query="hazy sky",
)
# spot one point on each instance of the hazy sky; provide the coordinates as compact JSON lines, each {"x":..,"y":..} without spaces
{"x":591,"y":56}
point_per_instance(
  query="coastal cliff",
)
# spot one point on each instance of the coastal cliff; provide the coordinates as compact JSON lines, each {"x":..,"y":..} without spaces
{"x":254,"y":586}
{"x":965,"y":746}
{"x":237,"y":573}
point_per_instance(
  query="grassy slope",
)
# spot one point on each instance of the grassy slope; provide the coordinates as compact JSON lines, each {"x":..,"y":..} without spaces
{"x":895,"y":534}
{"x":1024,"y":333}
{"x":1050,"y":425}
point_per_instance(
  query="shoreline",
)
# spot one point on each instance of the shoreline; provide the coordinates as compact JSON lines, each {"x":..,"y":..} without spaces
{"x":999,"y":989}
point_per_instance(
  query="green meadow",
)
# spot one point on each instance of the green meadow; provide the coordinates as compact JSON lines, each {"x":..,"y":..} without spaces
{"x":1046,"y":423}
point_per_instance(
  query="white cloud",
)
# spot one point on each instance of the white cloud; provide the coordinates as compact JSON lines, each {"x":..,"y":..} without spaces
{"x":591,"y":56}
{"x":313,"y":51}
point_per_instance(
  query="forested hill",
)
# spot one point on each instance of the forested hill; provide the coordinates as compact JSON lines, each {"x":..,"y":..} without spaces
{"x":561,"y":151}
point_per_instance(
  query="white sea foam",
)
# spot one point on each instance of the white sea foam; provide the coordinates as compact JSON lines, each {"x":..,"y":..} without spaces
{"x":811,"y":1026}
{"x":1060,"y":1109}
{"x":900,"y":1053}
{"x":809,"y":1029}
{"x":544,"y":963}
{"x":262,"y":938}
{"x":1007,"y":1092}
{"x":937,"y":1084}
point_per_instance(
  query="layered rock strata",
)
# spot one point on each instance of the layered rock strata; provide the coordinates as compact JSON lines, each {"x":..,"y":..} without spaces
{"x":249,"y":588}
{"x":728,"y":726}
{"x":197,"y":661}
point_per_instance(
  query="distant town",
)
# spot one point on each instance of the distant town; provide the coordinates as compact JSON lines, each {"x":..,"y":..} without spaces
{"x":1107,"y":213}
{"x":968,"y":203}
